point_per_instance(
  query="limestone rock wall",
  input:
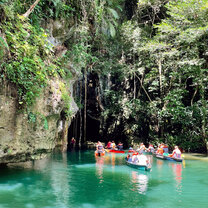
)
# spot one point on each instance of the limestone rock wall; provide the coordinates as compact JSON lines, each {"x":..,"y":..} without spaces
{"x":22,"y":138}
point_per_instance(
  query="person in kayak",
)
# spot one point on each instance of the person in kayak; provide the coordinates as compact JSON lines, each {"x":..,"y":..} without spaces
{"x":113,"y":145}
{"x":141,"y":148}
{"x":151,"y":148}
{"x":160,"y":150}
{"x":99,"y":147}
{"x":120,"y":146}
{"x":134,"y":157}
{"x":165,"y":148}
{"x":108,"y":145}
{"x":129,"y":158}
{"x":72,"y":143}
{"x":176,"y":153}
{"x":142,"y":159}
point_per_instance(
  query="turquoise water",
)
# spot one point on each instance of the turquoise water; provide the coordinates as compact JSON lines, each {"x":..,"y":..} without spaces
{"x":79,"y":180}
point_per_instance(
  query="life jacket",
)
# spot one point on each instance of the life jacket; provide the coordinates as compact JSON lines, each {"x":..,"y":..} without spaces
{"x":160,"y":151}
{"x":109,"y":144}
{"x":165,"y":148}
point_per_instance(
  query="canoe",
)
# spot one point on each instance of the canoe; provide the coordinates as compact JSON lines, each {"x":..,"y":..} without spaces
{"x":115,"y":151}
{"x":148,"y":153}
{"x":99,"y":153}
{"x":174,"y":159}
{"x":137,"y":166}
{"x":165,"y":157}
{"x":159,"y":156}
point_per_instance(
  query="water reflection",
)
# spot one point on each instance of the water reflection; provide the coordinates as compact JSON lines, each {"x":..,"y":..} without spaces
{"x":177,"y":171}
{"x":60,"y":182}
{"x":113,"y":160}
{"x":140,"y":182}
{"x":159,"y":163}
{"x":99,"y":168}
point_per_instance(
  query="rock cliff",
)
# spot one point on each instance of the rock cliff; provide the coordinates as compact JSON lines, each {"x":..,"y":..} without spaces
{"x":30,"y":135}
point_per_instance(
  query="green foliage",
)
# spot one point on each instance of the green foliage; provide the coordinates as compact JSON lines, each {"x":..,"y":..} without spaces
{"x":28,"y":47}
{"x":131,"y":35}
{"x":38,"y":119}
{"x":166,"y":74}
{"x":45,"y":122}
{"x":61,"y":67}
{"x":79,"y":102}
{"x":31,"y":62}
{"x":106,"y":17}
{"x":3,"y":47}
{"x":43,"y":10}
{"x":32,"y":117}
{"x":66,"y":98}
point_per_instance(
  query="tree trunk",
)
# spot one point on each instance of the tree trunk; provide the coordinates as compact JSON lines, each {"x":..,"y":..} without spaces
{"x":160,"y":77}
{"x":143,"y":88}
{"x":134,"y":87}
{"x":80,"y":115}
{"x":204,"y":118}
{"x":161,"y":129}
{"x":30,"y":10}
{"x":85,"y":106}
{"x":192,"y":99}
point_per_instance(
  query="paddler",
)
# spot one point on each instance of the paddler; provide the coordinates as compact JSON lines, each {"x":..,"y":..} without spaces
{"x":176,"y":153}
{"x":99,"y":147}
{"x":160,"y":150}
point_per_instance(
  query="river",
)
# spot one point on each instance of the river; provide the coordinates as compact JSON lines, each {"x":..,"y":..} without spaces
{"x":79,"y":180}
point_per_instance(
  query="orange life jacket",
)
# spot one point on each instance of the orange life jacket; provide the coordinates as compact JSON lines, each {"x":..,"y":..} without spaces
{"x":160,"y":151}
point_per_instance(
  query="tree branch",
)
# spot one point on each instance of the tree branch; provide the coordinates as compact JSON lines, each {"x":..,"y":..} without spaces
{"x":143,"y":88}
{"x":192,"y":99}
{"x":30,"y":10}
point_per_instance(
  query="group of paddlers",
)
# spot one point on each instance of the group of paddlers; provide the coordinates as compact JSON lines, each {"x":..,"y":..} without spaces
{"x":112,"y":145}
{"x":137,"y":156}
{"x":162,"y":149}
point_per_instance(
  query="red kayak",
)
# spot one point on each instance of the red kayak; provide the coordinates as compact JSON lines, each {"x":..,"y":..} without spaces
{"x":131,"y":151}
{"x":115,"y":151}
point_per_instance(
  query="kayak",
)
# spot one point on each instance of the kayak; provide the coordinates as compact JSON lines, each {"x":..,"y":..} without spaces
{"x":166,"y":157}
{"x":115,"y":151}
{"x":99,"y":153}
{"x":148,"y":153}
{"x":137,"y":166}
{"x":159,"y":156}
{"x":174,"y":159}
{"x":131,"y":151}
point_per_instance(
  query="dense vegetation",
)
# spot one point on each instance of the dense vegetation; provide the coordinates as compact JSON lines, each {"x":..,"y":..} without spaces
{"x":156,"y":53}
{"x":167,"y":62}
{"x":27,"y":58}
